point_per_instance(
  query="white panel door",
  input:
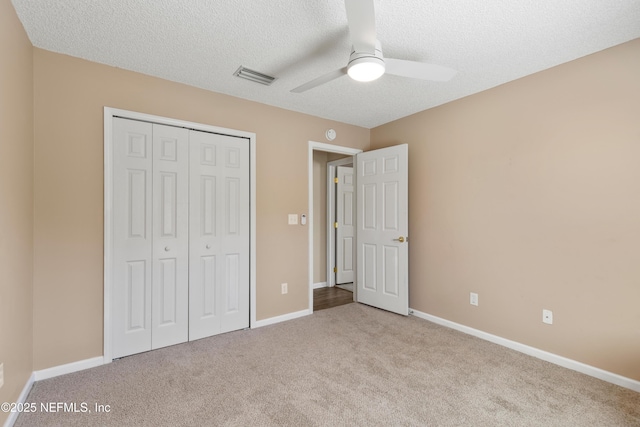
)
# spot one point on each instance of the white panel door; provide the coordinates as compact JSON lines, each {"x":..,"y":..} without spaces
{"x":219,"y":234}
{"x":132,"y":236}
{"x":382,"y":228}
{"x":170,"y":264}
{"x":345,"y":234}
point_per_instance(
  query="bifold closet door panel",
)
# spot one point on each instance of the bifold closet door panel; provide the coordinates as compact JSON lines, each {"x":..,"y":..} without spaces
{"x":218,"y":234}
{"x":132,"y":237}
{"x":170,"y":265}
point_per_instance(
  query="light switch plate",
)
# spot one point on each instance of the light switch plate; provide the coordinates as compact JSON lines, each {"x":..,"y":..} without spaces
{"x":1,"y":374}
{"x":473,"y":298}
{"x":293,"y":219}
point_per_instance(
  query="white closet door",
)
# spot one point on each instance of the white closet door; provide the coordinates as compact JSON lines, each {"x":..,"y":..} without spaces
{"x":150,"y":237}
{"x":132,"y":236}
{"x":219,"y":234}
{"x":170,"y":271}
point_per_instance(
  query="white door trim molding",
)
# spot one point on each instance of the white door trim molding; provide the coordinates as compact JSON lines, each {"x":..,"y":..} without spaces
{"x":319,"y":146}
{"x":109,"y":114}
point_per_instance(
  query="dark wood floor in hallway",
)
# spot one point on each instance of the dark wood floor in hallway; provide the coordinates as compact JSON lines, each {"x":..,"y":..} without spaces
{"x":330,"y":297}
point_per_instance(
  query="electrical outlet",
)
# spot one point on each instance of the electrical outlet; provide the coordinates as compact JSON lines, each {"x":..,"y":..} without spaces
{"x":473,"y":298}
{"x":1,"y":374}
{"x":547,"y":317}
{"x":285,"y":288}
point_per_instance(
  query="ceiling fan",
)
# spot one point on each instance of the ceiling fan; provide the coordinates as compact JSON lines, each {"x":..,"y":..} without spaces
{"x":366,"y":62}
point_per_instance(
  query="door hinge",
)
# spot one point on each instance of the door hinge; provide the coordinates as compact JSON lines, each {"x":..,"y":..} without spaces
{"x":335,"y":269}
{"x":335,"y":225}
{"x":335,"y":180}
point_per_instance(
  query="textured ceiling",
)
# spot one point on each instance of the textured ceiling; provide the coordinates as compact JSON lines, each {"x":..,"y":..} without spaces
{"x":202,"y":42}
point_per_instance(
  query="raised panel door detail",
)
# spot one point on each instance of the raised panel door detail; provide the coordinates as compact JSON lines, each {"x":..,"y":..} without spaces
{"x":232,"y":279}
{"x":137,"y":145}
{"x":136,"y":295}
{"x":369,"y":264}
{"x":390,"y":273}
{"x":390,"y":205}
{"x":347,"y":218}
{"x":369,"y":211}
{"x":208,"y":206}
{"x":348,"y":179}
{"x":233,"y":158}
{"x":232,"y":205}
{"x":169,"y":149}
{"x":168,"y":204}
{"x":208,"y":285}
{"x":167,"y":290}
{"x":369,"y":167}
{"x":347,"y":247}
{"x":208,"y":154}
{"x":137,"y":206}
{"x":390,"y":164}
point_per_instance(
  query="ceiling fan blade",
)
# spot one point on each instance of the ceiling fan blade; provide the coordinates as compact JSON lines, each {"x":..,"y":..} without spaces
{"x":362,"y":25}
{"x":320,"y":80}
{"x":418,"y":70}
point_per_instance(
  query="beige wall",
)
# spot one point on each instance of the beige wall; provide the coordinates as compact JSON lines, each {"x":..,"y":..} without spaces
{"x":529,"y":194}
{"x":69,"y":97}
{"x":16,"y":204}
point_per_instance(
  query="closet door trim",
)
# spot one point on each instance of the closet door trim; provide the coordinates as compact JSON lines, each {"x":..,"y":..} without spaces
{"x":109,"y":114}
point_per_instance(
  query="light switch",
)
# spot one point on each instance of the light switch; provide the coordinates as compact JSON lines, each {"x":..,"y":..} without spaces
{"x":293,"y":219}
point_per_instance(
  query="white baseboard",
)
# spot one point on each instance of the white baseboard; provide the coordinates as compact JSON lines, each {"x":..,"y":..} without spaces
{"x":80,"y":365}
{"x":13,"y":416}
{"x":50,"y":373}
{"x":283,"y":318}
{"x":535,"y":352}
{"x":320,"y":285}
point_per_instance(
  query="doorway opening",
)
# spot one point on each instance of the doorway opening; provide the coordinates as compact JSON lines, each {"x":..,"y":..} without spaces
{"x":382,"y":208}
{"x":340,"y":224}
{"x":321,"y":245}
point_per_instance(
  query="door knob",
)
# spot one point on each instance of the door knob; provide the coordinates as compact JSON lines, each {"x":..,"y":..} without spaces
{"x":208,"y":246}
{"x":400,"y":239}
{"x":167,"y":249}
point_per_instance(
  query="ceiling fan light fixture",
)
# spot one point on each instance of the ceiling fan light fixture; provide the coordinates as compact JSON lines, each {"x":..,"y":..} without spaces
{"x":366,"y":69}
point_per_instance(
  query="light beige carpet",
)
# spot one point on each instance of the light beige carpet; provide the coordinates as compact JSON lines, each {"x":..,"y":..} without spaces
{"x":349,"y":365}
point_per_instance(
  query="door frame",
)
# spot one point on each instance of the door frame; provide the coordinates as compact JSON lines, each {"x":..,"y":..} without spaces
{"x":319,"y":146}
{"x":332,"y":168}
{"x":109,"y":114}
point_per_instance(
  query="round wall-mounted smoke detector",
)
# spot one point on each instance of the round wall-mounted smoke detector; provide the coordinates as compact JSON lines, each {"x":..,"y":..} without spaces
{"x":331,"y":134}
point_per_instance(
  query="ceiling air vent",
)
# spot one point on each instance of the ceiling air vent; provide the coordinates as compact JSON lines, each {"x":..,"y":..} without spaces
{"x":254,"y":76}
